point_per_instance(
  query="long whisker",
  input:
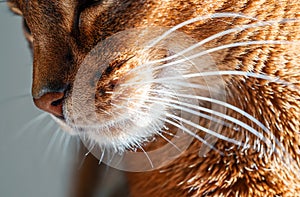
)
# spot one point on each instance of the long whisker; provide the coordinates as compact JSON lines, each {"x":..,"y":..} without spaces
{"x":90,"y":147}
{"x":30,"y":123}
{"x":101,"y":157}
{"x":178,"y":83}
{"x":200,"y":114}
{"x":170,"y":142}
{"x":82,"y":161}
{"x":62,"y":141}
{"x":222,"y":103}
{"x":208,"y":131}
{"x":174,"y":123}
{"x":197,"y":19}
{"x":50,"y":145}
{"x":234,"y":120}
{"x":193,"y":135}
{"x":67,"y":139}
{"x":78,"y":145}
{"x":212,"y":73}
{"x":217,"y":35}
{"x":84,"y":157}
{"x":266,"y":130}
{"x":283,"y":155}
{"x":188,"y":131}
{"x":202,"y":74}
{"x":150,"y":161}
{"x":117,"y":163}
{"x":167,"y":102}
{"x":170,"y":134}
{"x":226,"y":46}
{"x":111,"y":159}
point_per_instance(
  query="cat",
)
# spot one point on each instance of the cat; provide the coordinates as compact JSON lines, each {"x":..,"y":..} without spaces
{"x":122,"y":75}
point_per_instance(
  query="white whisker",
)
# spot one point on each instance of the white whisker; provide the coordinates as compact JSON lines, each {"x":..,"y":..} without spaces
{"x":208,"y":131}
{"x":30,"y":123}
{"x":180,"y":126}
{"x":101,"y":157}
{"x":67,"y":139}
{"x":222,"y":103}
{"x":82,"y":160}
{"x":50,"y":145}
{"x":196,"y":19}
{"x":217,"y":35}
{"x":111,"y":159}
{"x":119,"y":160}
{"x":183,"y":129}
{"x":62,"y":141}
{"x":193,"y":135}
{"x":245,"y":114}
{"x":78,"y":145}
{"x":170,"y":142}
{"x":226,"y":46}
{"x":217,"y":120}
{"x":168,"y":103}
{"x":150,"y":161}
{"x":170,"y":134}
{"x":212,"y":73}
{"x":234,"y":120}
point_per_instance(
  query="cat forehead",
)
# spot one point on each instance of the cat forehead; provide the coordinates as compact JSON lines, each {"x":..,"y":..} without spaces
{"x":48,"y":7}
{"x":45,"y":11}
{"x":23,"y":3}
{"x":31,"y":5}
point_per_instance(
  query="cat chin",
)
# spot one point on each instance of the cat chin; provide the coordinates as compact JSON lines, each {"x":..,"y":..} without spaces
{"x":127,"y":131}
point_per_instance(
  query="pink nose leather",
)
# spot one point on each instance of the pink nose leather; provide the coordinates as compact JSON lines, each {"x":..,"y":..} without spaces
{"x":51,"y":103}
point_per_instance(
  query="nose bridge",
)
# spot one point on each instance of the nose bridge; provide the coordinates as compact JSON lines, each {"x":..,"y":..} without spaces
{"x":50,"y":24}
{"x":51,"y":64}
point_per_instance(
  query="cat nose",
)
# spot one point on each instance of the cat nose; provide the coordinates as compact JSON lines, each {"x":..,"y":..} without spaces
{"x":51,"y":102}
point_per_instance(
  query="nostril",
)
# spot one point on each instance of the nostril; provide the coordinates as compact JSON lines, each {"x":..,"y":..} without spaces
{"x":57,"y":102}
{"x":51,"y":102}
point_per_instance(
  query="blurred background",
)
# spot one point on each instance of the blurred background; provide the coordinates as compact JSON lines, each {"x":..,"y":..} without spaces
{"x":35,"y":157}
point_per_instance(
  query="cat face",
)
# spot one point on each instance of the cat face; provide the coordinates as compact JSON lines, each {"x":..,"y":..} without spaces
{"x":102,"y":69}
{"x":125,"y":72}
{"x":63,"y":35}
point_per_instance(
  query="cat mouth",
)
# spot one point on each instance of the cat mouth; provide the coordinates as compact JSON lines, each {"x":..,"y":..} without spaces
{"x":123,"y":100}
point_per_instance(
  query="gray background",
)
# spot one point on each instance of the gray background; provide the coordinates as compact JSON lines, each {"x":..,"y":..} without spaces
{"x":31,"y":165}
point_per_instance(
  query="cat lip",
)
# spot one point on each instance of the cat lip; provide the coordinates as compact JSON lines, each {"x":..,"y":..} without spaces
{"x":62,"y":118}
